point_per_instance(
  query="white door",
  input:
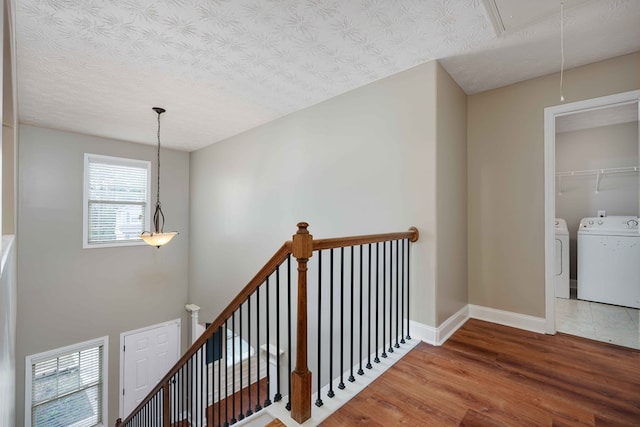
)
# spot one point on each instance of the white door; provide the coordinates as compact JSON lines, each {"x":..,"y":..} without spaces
{"x":146,"y":356}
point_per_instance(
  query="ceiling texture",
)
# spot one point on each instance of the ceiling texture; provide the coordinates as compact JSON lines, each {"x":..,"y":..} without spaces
{"x":221,"y":67}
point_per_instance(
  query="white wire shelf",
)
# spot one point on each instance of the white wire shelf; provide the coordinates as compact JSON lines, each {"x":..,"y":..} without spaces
{"x":599,"y":173}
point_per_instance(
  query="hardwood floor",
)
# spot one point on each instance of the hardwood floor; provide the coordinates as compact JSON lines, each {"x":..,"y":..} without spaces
{"x":242,"y":405}
{"x":492,"y":375}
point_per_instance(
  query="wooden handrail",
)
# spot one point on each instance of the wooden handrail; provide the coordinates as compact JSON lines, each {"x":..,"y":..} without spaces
{"x":302,"y":248}
{"x":341,"y":242}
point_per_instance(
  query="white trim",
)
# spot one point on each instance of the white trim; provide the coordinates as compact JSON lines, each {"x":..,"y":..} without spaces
{"x":177,"y":322}
{"x":452,"y":324}
{"x":438,"y":336}
{"x":35,"y":358}
{"x":550,"y":114}
{"x":508,"y":318}
{"x":85,"y":201}
{"x":422,"y":332}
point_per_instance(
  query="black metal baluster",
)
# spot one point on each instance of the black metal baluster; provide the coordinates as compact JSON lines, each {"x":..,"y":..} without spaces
{"x":408,"y":285}
{"x":203,"y":403}
{"x":377,"y":359}
{"x":369,"y":310}
{"x":207,"y":381}
{"x":288,"y":406}
{"x":199,"y":379}
{"x":175,"y":392}
{"x":351,"y":377}
{"x":176,"y":401}
{"x":319,"y":377}
{"x":278,"y":396}
{"x":384,"y":296}
{"x":226,"y":373}
{"x":267,"y":400}
{"x":390,"y":350}
{"x":360,"y":371}
{"x":223,"y":348}
{"x":397,"y":344}
{"x":233,"y":371}
{"x":258,"y":405}
{"x":172,"y":401}
{"x":189,"y":386}
{"x":402,"y":301}
{"x":341,"y":384}
{"x":241,"y":414}
{"x":249,"y":412}
{"x":330,"y":393}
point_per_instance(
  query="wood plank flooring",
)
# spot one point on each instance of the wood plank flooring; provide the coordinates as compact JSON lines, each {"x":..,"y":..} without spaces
{"x":493,"y":375}
{"x":240,"y":401}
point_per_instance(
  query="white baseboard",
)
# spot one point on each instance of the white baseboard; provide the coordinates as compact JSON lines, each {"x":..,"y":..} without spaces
{"x":452,"y":324}
{"x":508,"y":318}
{"x":422,"y":332}
{"x":439,"y":335}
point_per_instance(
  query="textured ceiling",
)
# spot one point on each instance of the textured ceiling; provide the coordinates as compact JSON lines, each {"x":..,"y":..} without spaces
{"x":221,"y":67}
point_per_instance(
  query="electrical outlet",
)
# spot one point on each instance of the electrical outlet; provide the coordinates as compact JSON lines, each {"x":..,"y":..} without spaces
{"x":602,"y":214}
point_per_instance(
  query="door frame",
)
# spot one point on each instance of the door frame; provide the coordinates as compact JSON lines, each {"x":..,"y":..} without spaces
{"x":550,"y":114}
{"x":123,"y":335}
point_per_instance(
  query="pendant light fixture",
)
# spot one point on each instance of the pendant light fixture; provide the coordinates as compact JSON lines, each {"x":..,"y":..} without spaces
{"x":158,"y":237}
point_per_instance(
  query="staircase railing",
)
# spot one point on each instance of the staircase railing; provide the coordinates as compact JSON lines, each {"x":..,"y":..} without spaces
{"x":235,"y":367}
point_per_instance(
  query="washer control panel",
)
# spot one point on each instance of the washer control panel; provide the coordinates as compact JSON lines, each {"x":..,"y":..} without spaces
{"x":609,"y":223}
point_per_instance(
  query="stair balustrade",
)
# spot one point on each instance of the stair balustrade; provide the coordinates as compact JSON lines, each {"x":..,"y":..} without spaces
{"x":359,"y":294}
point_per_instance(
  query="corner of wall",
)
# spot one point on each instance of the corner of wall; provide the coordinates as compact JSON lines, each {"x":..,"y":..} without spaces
{"x":451,"y":196}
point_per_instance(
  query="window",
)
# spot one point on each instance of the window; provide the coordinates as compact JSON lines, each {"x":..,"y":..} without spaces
{"x":116,"y":201}
{"x":67,"y":386}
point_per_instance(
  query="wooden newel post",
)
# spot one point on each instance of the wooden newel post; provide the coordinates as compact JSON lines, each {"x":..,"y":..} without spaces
{"x":302,"y":249}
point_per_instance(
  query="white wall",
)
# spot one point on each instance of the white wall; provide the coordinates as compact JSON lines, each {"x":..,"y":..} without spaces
{"x":360,"y":163}
{"x":602,"y":147}
{"x":67,"y":294}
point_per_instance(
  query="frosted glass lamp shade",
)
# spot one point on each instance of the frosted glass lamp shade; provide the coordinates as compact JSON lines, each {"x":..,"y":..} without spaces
{"x":158,"y":239}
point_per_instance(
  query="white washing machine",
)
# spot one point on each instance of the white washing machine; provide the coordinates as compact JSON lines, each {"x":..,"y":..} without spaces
{"x":562,"y":258}
{"x":609,"y":260}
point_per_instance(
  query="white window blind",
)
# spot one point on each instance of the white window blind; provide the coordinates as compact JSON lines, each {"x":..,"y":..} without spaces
{"x":116,"y":200}
{"x":67,"y":386}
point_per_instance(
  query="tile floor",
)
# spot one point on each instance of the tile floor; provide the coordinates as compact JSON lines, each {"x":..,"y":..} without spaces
{"x":601,"y":322}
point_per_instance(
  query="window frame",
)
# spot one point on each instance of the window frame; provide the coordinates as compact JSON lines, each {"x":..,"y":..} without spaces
{"x":143,"y":164}
{"x":60,"y":352}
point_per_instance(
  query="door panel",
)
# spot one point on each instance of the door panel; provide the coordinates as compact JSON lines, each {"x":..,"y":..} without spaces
{"x":148,"y":355}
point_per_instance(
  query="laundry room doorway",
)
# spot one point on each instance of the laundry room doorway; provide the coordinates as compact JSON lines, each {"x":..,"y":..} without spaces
{"x":592,"y":202}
